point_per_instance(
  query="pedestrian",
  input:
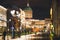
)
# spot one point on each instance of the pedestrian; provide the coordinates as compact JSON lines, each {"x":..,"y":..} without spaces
{"x":13,"y":32}
{"x":4,"y":34}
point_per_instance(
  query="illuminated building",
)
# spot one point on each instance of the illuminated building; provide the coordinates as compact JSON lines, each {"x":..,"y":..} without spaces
{"x":22,"y":17}
{"x":48,"y":23}
{"x":3,"y":17}
{"x":28,"y":11}
{"x":32,"y":23}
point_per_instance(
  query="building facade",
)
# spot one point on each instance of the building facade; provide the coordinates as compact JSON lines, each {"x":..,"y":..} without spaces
{"x":56,"y":16}
{"x":3,"y":18}
{"x":28,"y":12}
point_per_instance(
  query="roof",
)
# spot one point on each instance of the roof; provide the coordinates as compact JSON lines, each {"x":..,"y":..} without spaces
{"x":3,"y":8}
{"x":28,"y":8}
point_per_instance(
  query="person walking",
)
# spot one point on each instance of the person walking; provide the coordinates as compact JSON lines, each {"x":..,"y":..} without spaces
{"x":13,"y":32}
{"x":4,"y":34}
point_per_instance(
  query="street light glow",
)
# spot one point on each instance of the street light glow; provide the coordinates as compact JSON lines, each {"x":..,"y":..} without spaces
{"x":12,"y":12}
{"x":18,"y":15}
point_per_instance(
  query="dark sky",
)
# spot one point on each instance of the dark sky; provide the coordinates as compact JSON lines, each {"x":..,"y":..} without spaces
{"x":40,"y":8}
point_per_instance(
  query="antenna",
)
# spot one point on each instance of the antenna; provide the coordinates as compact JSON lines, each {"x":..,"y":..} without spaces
{"x":27,"y":3}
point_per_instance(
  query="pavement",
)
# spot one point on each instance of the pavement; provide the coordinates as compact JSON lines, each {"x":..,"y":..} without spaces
{"x":23,"y":37}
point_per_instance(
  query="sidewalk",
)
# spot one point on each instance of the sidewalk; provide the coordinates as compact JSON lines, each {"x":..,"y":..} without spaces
{"x":23,"y":37}
{"x":26,"y":37}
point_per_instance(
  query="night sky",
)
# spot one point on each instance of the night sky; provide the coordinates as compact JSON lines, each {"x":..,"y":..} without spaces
{"x":40,"y":8}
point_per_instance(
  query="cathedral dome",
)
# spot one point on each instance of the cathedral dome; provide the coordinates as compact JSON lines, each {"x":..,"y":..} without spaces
{"x":28,"y":8}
